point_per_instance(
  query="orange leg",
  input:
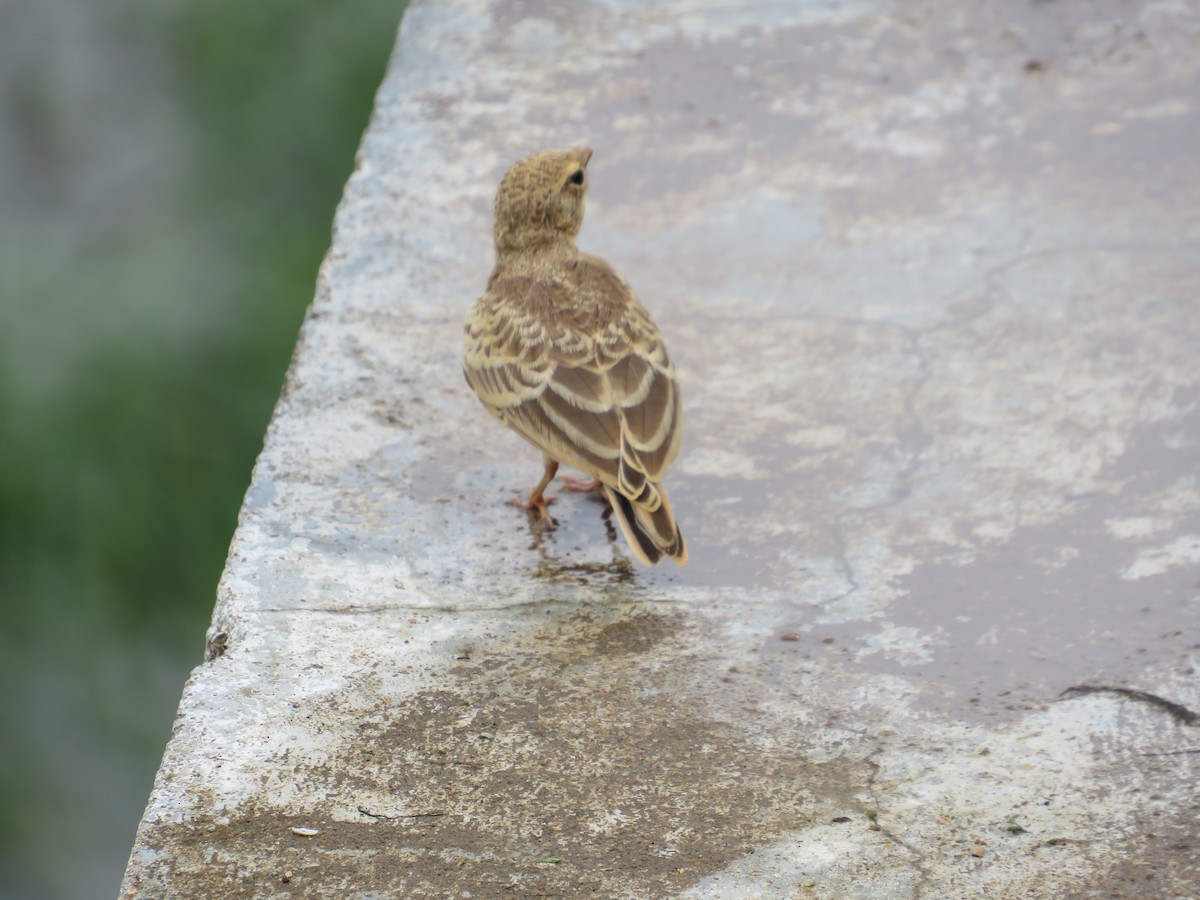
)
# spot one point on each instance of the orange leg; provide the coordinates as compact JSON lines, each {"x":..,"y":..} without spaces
{"x":536,"y":499}
{"x":580,"y":485}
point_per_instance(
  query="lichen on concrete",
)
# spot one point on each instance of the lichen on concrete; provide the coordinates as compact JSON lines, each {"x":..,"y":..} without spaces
{"x":929,"y":275}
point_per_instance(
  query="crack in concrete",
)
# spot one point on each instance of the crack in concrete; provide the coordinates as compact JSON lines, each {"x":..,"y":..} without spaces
{"x":917,"y":855}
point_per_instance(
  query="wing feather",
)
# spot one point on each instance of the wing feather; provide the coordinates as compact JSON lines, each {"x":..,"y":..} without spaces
{"x":584,"y":387}
{"x":531,"y":422}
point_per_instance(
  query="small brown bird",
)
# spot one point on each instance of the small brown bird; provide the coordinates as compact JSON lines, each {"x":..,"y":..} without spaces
{"x":560,"y":349}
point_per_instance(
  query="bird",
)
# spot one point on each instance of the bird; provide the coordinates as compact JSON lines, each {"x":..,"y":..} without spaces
{"x":560,"y":349}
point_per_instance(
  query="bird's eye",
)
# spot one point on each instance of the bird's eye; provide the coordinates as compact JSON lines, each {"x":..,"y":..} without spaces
{"x":576,"y":177}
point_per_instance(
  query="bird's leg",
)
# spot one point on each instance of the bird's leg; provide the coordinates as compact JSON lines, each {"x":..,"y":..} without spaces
{"x":580,"y":485}
{"x":536,"y":500}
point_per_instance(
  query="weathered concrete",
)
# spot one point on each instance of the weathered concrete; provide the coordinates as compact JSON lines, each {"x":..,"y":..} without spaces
{"x":930,"y":276}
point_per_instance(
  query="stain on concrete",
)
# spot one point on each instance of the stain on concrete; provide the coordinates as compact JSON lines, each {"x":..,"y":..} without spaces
{"x":547,"y":768}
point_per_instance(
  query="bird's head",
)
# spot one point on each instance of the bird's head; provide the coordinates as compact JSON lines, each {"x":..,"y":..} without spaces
{"x":540,"y":200}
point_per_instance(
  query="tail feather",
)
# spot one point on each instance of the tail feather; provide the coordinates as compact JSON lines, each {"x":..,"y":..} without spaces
{"x":650,"y":534}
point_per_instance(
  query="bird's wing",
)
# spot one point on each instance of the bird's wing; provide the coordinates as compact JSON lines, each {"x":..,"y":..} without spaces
{"x":646,"y":398}
{"x":578,"y":369}
{"x":535,"y":375}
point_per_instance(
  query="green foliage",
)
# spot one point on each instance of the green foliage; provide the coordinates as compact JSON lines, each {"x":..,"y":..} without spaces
{"x":285,"y":81}
{"x":120,"y":485}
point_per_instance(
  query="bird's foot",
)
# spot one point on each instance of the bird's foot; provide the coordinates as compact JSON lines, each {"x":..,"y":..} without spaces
{"x":580,"y":485}
{"x":538,"y":503}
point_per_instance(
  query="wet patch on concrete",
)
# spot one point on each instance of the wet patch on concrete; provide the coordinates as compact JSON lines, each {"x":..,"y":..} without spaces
{"x":1006,"y":628}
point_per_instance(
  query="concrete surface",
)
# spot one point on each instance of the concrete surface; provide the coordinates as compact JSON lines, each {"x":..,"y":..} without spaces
{"x":930,"y":274}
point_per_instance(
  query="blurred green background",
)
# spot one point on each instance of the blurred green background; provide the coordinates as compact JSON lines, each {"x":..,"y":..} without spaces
{"x":168,"y":176}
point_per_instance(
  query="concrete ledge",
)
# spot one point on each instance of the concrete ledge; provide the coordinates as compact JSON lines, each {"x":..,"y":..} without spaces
{"x":929,"y":275}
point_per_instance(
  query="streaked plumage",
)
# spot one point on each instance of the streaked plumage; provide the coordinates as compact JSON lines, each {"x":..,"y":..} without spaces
{"x":560,"y":349}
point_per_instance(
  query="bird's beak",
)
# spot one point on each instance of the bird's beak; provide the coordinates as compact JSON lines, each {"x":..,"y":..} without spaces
{"x":584,"y":154}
